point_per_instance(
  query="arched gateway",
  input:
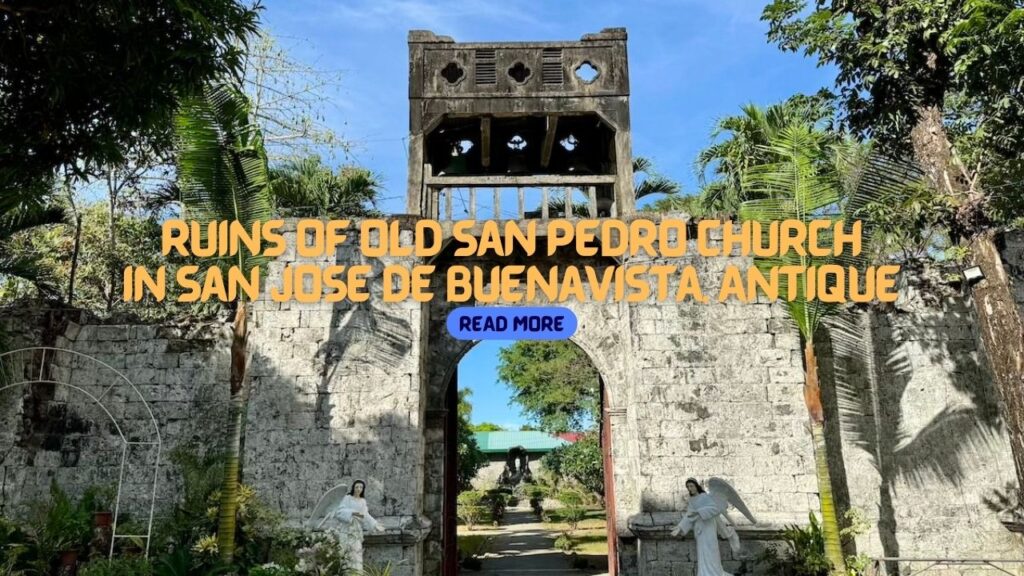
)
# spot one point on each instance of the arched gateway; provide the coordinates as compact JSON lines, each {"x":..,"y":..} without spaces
{"x":516,"y":131}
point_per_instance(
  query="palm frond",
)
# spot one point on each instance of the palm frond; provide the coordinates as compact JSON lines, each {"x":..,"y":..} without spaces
{"x":21,"y":218}
{"x":656,"y":184}
{"x":642,"y":164}
{"x":26,"y":267}
{"x":222,"y":164}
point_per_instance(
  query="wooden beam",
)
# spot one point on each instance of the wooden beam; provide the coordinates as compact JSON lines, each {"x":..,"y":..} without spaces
{"x":544,"y":204}
{"x":485,"y":141}
{"x":502,"y":181}
{"x":522,"y":203}
{"x":549,"y":140}
{"x":472,"y":203}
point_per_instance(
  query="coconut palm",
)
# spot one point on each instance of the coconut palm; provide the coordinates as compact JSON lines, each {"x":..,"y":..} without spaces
{"x":651,"y":182}
{"x":741,"y":141}
{"x":223,"y":175}
{"x":794,"y":187}
{"x":21,"y":217}
{"x":306,"y":188}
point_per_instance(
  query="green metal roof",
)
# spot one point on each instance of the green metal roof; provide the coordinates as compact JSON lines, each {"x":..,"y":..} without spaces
{"x":501,"y":442}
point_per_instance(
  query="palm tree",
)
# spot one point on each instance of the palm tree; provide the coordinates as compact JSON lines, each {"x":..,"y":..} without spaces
{"x":651,"y":183}
{"x":21,"y":217}
{"x":741,"y":141}
{"x":223,"y":175}
{"x":794,"y":187}
{"x":306,"y":188}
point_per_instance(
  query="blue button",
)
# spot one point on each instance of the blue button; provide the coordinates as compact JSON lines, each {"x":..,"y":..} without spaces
{"x":518,"y":323}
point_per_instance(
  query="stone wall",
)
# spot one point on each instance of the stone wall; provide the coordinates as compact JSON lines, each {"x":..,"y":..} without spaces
{"x":357,"y":391}
{"x":55,"y":429}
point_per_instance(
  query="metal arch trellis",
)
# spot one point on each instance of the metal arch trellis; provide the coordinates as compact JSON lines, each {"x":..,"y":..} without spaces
{"x":48,"y":354}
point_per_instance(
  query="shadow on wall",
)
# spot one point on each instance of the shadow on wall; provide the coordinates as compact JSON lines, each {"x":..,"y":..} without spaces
{"x":361,"y":335}
{"x":328,"y":415}
{"x":876,"y":361}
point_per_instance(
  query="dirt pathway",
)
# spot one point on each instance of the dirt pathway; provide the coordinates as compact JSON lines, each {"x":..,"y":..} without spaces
{"x":522,"y":545}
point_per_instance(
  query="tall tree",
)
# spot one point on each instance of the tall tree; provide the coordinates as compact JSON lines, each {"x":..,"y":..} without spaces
{"x":469,"y":458}
{"x":554,"y":382}
{"x":223,"y":175}
{"x":741,"y":141}
{"x":288,"y":98}
{"x":72,"y":97}
{"x":794,"y":188}
{"x":306,"y":188}
{"x":904,"y":68}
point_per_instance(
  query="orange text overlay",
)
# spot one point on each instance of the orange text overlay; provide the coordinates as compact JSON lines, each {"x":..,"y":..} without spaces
{"x":339,"y":260}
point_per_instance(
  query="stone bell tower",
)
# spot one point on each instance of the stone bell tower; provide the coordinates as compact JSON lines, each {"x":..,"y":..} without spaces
{"x":549,"y":119}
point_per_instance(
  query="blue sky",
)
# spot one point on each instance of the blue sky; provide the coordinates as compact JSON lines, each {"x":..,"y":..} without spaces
{"x":691,"y":62}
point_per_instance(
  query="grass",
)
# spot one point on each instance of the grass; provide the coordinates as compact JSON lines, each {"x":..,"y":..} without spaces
{"x":590,"y":537}
{"x":591,"y":542}
{"x":474,"y":544}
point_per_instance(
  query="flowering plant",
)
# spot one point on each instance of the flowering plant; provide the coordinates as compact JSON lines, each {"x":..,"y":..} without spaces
{"x":322,"y":557}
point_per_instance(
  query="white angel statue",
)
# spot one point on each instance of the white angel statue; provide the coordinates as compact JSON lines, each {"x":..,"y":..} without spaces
{"x":706,"y":514}
{"x":348,"y":519}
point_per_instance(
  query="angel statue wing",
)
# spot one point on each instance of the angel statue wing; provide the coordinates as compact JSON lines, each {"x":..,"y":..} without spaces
{"x":329,"y":501}
{"x":725,"y":495}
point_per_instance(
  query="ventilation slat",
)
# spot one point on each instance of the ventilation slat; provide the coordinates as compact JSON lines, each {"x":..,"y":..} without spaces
{"x":485,"y":68}
{"x":551,"y":66}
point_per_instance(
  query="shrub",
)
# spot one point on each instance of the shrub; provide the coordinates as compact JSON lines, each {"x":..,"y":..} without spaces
{"x":117,"y":567}
{"x":269,"y":569}
{"x":374,"y":570}
{"x":807,"y":547}
{"x":564,"y":542}
{"x":61,"y":523}
{"x":471,"y":508}
{"x":573,"y":510}
{"x":18,"y":551}
{"x":322,"y":557}
{"x":496,"y":501}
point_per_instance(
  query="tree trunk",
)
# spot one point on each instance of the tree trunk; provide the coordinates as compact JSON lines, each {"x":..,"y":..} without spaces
{"x":228,"y":512}
{"x":999,"y":324}
{"x":999,"y":318}
{"x":829,"y":518}
{"x":112,"y":192}
{"x":74,"y":258}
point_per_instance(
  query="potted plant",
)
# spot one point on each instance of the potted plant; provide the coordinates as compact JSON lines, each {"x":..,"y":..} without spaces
{"x":62,"y":529}
{"x":67,"y":529}
{"x":99,"y":501}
